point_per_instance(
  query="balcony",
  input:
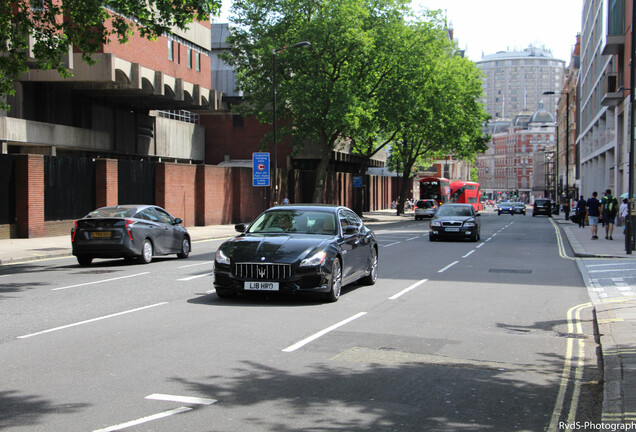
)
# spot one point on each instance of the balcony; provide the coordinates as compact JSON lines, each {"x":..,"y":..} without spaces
{"x":613,"y":44}
{"x":612,"y":94}
{"x":614,"y":27}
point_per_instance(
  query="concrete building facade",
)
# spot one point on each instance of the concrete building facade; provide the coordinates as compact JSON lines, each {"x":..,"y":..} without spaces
{"x":603,"y":139}
{"x":110,"y":109}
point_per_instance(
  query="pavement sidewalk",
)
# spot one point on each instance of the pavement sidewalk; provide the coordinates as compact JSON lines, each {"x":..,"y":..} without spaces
{"x":616,"y":317}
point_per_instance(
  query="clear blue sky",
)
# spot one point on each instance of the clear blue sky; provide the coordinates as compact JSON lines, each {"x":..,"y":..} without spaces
{"x":488,"y":26}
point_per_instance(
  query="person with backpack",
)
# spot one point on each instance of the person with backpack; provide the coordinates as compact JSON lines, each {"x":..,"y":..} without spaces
{"x":609,"y":208}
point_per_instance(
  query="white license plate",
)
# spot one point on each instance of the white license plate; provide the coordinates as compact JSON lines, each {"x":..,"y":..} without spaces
{"x":451,"y":229}
{"x":261,"y":286}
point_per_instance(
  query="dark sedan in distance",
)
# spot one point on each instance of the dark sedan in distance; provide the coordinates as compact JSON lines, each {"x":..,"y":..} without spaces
{"x":542,"y":206}
{"x":457,"y":221}
{"x":298,"y":248}
{"x":130,"y":232}
{"x":519,"y":208}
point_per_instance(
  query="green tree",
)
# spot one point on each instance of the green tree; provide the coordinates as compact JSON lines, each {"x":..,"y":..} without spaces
{"x":442,"y":115}
{"x":55,"y":26}
{"x":329,"y":91}
{"x":474,"y":175}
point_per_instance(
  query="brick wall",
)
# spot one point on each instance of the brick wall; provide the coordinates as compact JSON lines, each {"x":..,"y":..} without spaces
{"x":58,"y":228}
{"x":8,"y":231}
{"x":222,"y":136}
{"x":106,"y":193}
{"x":200,"y":195}
{"x":213,"y":203}
{"x":249,"y":201}
{"x":153,"y":54}
{"x":29,"y":185}
{"x":175,"y":190}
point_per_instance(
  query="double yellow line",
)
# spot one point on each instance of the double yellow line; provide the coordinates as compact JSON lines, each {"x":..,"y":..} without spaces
{"x":560,"y":244}
{"x":572,"y":362}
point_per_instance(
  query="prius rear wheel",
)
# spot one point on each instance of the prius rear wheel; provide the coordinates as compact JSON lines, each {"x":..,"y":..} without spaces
{"x":84,"y":260}
{"x":185,"y":248}
{"x":146,"y":252}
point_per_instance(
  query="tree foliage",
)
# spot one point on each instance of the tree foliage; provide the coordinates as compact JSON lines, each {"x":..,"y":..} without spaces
{"x":49,"y":28}
{"x":444,"y":117}
{"x":375,"y":74}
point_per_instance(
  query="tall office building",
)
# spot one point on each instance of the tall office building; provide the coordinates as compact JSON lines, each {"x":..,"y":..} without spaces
{"x":515,"y":81}
{"x":603,"y":121}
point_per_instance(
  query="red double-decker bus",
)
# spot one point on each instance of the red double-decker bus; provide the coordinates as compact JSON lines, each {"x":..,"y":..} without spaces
{"x":466,"y":192}
{"x":437,"y":188}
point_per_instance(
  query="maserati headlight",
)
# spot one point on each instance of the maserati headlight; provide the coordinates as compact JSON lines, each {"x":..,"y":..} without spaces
{"x":469,"y":224}
{"x":436,"y":224}
{"x":221,"y":258}
{"x":314,"y":260}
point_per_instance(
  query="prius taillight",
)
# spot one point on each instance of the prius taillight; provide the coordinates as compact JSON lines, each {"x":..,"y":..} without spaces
{"x":74,"y":231}
{"x":129,"y":224}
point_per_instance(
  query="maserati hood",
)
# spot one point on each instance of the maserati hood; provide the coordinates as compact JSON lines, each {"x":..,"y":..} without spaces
{"x":276,"y":248}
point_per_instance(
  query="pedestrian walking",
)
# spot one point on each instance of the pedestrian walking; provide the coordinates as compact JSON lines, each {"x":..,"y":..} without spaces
{"x":285,"y":200}
{"x":623,"y":211}
{"x":609,"y":208}
{"x":593,"y":206}
{"x":566,"y":209}
{"x":581,"y":211}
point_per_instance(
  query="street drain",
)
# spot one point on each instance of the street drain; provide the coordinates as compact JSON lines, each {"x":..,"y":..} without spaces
{"x":516,"y":271}
{"x":518,"y":330}
{"x":97,"y":272}
{"x":571,"y":335}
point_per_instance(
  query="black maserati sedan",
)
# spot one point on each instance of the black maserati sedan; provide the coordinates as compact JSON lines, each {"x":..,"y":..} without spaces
{"x":298,"y":248}
{"x":132,"y":232}
{"x":457,"y":221}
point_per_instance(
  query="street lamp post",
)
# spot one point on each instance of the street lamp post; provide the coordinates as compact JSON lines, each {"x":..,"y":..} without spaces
{"x":567,"y":147}
{"x":556,"y":167}
{"x":275,"y":155}
{"x":629,"y":222}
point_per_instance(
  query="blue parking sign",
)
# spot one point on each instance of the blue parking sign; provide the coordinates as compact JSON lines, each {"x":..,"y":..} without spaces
{"x":260,"y":169}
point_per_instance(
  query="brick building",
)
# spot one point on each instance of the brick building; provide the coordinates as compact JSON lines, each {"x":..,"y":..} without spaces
{"x":72,"y":144}
{"x":507,"y":169}
{"x":142,"y":125}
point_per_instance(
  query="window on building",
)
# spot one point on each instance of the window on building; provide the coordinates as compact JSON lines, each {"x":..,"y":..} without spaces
{"x":170,"y":50}
{"x":189,"y":58}
{"x":197,"y":61}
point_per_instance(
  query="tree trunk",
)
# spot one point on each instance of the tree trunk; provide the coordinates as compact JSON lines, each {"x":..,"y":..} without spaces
{"x":405,"y":187}
{"x":321,"y":174}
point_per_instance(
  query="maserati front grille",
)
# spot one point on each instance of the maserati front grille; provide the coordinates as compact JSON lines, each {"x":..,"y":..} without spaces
{"x":257,"y":271}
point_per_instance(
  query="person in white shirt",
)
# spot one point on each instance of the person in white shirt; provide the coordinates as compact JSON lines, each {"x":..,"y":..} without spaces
{"x":623,"y":212}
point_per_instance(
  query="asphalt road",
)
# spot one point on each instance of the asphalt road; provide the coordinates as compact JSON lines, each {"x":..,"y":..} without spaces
{"x":494,"y":335}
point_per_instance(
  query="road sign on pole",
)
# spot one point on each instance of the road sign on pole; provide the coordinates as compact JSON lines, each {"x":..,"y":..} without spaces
{"x":260,"y":169}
